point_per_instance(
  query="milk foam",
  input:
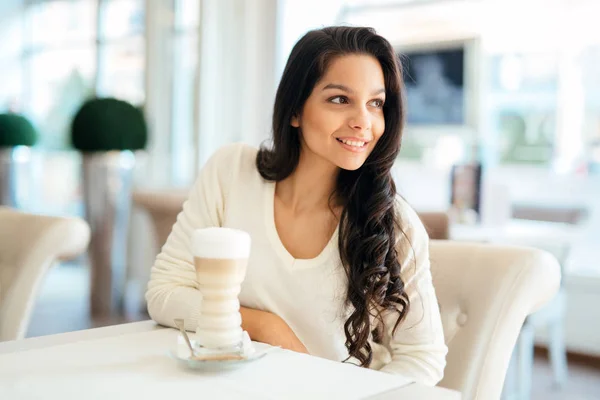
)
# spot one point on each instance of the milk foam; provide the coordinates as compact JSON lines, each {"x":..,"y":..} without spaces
{"x":220,"y":243}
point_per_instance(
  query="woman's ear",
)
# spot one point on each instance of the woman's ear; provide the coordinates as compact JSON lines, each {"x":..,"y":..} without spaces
{"x":295,"y":122}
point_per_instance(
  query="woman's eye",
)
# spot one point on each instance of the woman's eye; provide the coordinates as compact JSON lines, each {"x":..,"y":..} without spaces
{"x":378,"y":103}
{"x":339,"y":100}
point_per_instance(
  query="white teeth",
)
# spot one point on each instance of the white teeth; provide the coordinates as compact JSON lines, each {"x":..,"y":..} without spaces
{"x":354,"y":143}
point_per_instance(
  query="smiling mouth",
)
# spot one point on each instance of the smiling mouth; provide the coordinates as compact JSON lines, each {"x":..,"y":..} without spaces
{"x":354,"y":143}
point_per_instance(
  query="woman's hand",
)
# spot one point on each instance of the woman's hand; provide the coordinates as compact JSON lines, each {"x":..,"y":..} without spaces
{"x":266,"y":327}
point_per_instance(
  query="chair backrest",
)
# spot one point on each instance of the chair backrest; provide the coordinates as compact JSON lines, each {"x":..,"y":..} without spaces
{"x":29,"y":245}
{"x":485,"y":293}
{"x":437,"y":224}
{"x":163,"y":208}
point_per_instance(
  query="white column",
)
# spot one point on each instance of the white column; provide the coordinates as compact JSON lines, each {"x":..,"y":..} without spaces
{"x":237,"y":68}
{"x":159,"y":54}
{"x":260,"y":57}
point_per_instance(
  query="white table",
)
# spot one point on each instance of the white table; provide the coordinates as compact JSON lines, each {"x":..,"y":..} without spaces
{"x":131,"y":361}
{"x":522,"y":232}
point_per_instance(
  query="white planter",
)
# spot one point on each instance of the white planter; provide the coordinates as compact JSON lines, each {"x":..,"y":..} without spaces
{"x":107,"y":185}
{"x":15,"y":166}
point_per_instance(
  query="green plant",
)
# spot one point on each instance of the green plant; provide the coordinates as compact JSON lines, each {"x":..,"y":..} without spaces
{"x":16,"y":130}
{"x":108,"y":124}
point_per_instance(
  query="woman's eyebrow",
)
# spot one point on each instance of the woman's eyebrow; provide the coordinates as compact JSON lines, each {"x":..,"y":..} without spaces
{"x":348,"y":90}
{"x":338,"y":86}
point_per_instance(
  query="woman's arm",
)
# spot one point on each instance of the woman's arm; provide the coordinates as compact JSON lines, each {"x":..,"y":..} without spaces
{"x":418,"y":348}
{"x":265,"y":327}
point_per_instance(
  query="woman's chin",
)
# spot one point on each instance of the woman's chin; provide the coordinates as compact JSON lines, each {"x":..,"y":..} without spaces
{"x":351,"y":165}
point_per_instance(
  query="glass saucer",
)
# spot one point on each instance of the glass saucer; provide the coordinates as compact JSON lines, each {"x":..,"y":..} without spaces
{"x":245,"y":355}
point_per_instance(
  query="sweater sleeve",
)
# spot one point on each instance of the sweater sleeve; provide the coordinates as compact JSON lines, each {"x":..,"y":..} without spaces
{"x":172,"y":290}
{"x":417,"y":347}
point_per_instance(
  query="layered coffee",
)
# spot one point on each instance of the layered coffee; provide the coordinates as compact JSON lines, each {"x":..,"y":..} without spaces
{"x":220,"y":258}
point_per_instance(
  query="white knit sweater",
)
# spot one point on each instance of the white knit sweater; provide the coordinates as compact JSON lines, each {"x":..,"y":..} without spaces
{"x":309,"y":294}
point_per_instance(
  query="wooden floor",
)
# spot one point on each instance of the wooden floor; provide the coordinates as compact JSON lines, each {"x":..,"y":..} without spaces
{"x":62,"y":307}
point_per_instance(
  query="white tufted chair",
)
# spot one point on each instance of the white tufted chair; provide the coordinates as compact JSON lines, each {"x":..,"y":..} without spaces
{"x":485,"y":293}
{"x":29,"y":245}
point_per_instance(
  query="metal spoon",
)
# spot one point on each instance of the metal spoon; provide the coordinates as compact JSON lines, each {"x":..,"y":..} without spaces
{"x":180,"y":324}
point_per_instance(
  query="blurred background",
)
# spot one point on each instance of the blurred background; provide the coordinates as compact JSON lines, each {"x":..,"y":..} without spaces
{"x":503,"y":123}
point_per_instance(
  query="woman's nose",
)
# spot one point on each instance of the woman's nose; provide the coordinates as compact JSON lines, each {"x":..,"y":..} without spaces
{"x":361,"y":120}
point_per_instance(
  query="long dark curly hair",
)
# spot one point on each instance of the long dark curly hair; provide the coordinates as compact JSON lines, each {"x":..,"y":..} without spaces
{"x":368,"y":222}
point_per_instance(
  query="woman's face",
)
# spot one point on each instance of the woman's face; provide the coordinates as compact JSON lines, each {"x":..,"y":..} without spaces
{"x":342,"y":119}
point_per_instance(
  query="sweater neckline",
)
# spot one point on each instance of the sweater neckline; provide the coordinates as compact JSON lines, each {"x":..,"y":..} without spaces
{"x":284,"y":254}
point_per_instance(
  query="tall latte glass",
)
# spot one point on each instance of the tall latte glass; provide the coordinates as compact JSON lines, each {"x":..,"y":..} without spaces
{"x":220,"y":257}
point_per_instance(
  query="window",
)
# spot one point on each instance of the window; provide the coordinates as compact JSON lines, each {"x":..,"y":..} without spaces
{"x":59,"y":61}
{"x":523,"y":100}
{"x":11,"y":82}
{"x":121,"y":19}
{"x":11,"y":72}
{"x":60,"y":23}
{"x":185,"y":88}
{"x":121,"y":69}
{"x":589,"y":62}
{"x":59,"y":81}
{"x":121,"y":50}
{"x":60,"y":53}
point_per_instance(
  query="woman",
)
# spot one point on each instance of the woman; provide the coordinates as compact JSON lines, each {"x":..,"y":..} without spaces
{"x":339,"y":264}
